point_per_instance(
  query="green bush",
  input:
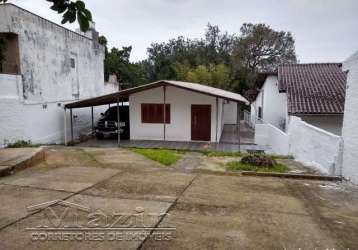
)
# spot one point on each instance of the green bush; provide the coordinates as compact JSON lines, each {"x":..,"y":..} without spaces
{"x":21,"y":144}
{"x":259,"y":160}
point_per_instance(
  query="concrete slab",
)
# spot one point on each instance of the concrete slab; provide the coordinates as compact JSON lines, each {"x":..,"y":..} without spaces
{"x":79,"y":222}
{"x":209,"y":227}
{"x":15,"y":159}
{"x":70,"y":179}
{"x":16,"y":199}
{"x":11,"y":156}
{"x":158,"y":184}
{"x":242,"y":193}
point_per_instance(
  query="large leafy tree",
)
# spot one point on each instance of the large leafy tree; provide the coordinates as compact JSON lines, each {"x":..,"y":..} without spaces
{"x":72,"y":11}
{"x":259,"y":47}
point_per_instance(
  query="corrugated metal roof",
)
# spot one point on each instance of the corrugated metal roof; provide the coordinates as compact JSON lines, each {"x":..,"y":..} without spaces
{"x":124,"y":94}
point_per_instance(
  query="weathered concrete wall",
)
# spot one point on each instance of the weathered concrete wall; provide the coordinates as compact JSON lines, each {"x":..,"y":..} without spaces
{"x":350,"y":122}
{"x":57,"y":66}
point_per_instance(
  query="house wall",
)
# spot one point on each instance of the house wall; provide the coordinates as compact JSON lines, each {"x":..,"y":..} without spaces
{"x":180,"y":101}
{"x":273,"y":103}
{"x":330,"y":123}
{"x":350,"y":122}
{"x":47,"y":81}
{"x":230,"y":112}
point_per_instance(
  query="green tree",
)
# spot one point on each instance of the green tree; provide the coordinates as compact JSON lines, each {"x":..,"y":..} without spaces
{"x":72,"y":11}
{"x":259,"y":47}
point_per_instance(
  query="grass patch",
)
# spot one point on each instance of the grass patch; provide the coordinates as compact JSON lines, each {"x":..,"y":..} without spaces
{"x":240,"y":154}
{"x":22,"y":144}
{"x":222,"y":154}
{"x":166,"y":157}
{"x":238,"y":166}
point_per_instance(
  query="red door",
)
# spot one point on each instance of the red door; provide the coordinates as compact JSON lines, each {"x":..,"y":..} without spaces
{"x":200,"y":122}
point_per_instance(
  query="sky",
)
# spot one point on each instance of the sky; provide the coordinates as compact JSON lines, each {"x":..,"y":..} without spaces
{"x":324,"y":30}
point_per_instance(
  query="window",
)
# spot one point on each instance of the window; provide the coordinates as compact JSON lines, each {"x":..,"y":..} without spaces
{"x":73,"y":63}
{"x":153,"y":113}
{"x":9,"y":54}
{"x":260,"y":113}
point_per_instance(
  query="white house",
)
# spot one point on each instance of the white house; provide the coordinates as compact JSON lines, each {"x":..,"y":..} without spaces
{"x":193,"y":112}
{"x":350,"y":121}
{"x":313,"y":92}
{"x":46,"y":66}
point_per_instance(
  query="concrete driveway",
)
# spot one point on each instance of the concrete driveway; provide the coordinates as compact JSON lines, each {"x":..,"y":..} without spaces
{"x":90,"y":198}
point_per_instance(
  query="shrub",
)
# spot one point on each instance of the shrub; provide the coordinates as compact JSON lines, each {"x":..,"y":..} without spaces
{"x":259,"y":160}
{"x":21,"y":144}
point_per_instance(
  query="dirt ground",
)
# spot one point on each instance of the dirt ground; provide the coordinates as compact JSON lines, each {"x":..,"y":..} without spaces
{"x":116,"y":199}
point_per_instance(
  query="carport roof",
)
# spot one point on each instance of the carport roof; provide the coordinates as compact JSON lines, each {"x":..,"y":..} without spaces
{"x":123,"y":95}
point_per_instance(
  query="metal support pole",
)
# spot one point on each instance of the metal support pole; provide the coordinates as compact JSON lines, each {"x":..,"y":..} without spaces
{"x":217,"y":118}
{"x":92,"y":120}
{"x":118,"y":125}
{"x":65,"y":125}
{"x":238,"y":122}
{"x":164,"y":112}
{"x":71,"y":125}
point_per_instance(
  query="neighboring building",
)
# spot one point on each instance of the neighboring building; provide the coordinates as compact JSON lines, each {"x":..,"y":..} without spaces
{"x":350,"y":122}
{"x":313,"y":92}
{"x":46,"y":66}
{"x":193,"y":112}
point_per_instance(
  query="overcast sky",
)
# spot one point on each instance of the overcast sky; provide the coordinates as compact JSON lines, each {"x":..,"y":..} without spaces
{"x":324,"y":30}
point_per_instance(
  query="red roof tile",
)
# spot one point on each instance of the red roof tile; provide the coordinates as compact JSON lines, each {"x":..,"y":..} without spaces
{"x":313,"y":88}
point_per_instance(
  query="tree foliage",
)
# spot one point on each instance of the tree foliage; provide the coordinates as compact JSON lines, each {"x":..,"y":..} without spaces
{"x":72,"y":11}
{"x":229,"y":61}
{"x":117,"y":62}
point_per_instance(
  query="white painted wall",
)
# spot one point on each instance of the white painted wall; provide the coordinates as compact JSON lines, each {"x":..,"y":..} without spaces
{"x":274,"y":140}
{"x":330,"y":123}
{"x":314,"y":146}
{"x":273,"y":103}
{"x":230,"y":112}
{"x":180,"y":101}
{"x":350,"y":122}
{"x":29,"y":103}
{"x":310,"y":145}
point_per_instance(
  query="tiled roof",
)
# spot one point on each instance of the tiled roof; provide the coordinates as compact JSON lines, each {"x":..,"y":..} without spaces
{"x":317,"y":88}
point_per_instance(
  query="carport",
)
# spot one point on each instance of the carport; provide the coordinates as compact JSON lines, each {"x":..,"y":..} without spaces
{"x":123,"y":96}
{"x":114,"y":98}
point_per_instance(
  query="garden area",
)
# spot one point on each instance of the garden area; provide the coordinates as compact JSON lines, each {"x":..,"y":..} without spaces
{"x":222,"y":161}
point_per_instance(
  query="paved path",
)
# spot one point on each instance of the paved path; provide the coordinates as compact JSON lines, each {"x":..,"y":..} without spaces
{"x":93,"y":191}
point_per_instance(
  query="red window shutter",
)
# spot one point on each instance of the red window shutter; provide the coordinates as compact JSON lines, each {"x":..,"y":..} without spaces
{"x":154,"y":113}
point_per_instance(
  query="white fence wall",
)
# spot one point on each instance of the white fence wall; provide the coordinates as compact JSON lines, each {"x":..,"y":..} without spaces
{"x":274,"y":139}
{"x":315,"y":147}
{"x":310,"y":145}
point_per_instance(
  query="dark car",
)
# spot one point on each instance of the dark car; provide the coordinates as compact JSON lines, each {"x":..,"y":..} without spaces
{"x":107,"y":125}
